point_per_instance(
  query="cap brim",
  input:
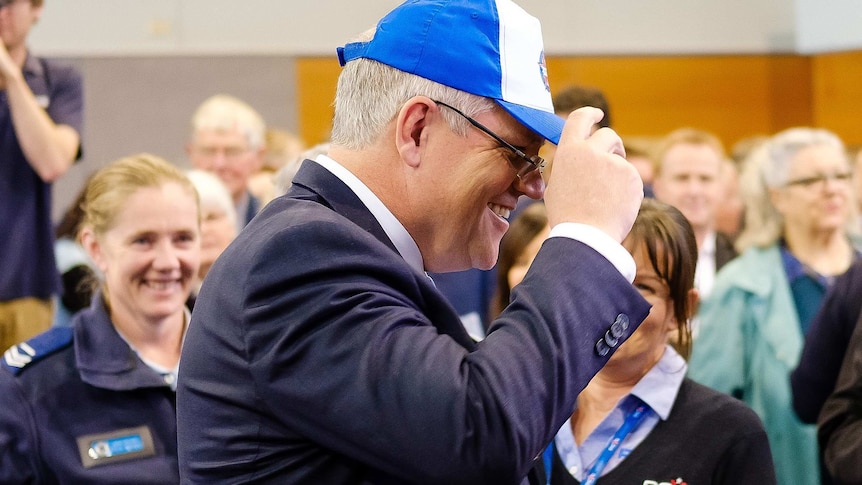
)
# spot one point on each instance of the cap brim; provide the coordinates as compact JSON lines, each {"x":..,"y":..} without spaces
{"x":547,"y":125}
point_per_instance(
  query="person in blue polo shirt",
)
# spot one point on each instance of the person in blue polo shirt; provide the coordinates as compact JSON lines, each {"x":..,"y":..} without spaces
{"x":41,"y":116}
{"x":94,"y":403}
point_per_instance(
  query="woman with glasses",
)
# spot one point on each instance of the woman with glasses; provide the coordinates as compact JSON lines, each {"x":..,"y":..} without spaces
{"x":797,"y":238}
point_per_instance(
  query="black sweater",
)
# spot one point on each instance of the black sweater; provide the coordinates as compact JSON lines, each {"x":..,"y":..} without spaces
{"x":708,"y":438}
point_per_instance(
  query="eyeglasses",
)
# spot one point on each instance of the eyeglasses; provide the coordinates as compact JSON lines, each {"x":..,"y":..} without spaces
{"x":524,"y":165}
{"x":230,"y":152}
{"x":819,"y":179}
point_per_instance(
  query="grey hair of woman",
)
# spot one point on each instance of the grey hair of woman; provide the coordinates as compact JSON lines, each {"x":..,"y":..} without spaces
{"x":212,"y":193}
{"x":284,"y":177}
{"x":768,"y":167}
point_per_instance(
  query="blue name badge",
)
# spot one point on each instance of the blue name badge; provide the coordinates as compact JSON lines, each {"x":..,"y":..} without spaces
{"x":120,"y":445}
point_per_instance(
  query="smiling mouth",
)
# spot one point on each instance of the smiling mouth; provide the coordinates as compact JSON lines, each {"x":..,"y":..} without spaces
{"x":500,"y":210}
{"x":163,"y":285}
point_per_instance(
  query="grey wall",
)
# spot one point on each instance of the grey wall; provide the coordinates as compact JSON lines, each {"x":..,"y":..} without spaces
{"x":142,"y":104}
{"x":194,"y":27}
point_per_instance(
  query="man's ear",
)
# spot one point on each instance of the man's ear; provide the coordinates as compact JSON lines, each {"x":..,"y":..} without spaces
{"x":37,"y":13}
{"x":411,"y":128}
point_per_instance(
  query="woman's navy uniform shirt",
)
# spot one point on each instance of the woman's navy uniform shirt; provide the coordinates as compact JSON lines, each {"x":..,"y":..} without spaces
{"x":77,"y":405}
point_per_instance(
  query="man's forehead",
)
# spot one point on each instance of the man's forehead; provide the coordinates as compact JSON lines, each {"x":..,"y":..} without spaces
{"x":220,"y":135}
{"x":689,"y":155}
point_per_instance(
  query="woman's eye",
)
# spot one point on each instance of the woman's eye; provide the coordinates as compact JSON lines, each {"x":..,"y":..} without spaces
{"x":645,"y":288}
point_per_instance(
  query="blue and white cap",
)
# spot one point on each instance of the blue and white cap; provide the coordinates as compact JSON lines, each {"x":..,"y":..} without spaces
{"x":490,"y":48}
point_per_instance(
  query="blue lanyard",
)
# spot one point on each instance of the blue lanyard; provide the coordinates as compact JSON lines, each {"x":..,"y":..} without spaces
{"x":632,"y":421}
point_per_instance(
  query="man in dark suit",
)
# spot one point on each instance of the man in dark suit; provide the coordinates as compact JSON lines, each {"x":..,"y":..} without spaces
{"x":319,"y":350}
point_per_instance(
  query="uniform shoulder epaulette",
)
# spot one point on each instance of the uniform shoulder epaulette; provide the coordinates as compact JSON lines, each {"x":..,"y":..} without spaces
{"x":19,"y":356}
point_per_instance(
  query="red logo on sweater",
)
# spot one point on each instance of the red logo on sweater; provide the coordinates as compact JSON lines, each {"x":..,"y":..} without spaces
{"x":675,"y":481}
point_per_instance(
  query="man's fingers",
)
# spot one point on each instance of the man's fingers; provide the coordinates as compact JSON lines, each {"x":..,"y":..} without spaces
{"x":580,"y":123}
{"x":606,"y":140}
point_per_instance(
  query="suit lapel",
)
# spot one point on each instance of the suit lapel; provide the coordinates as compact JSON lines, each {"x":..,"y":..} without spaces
{"x":313,"y":182}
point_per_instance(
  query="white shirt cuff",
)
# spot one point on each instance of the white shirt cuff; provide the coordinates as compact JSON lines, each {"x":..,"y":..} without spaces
{"x":601,"y":242}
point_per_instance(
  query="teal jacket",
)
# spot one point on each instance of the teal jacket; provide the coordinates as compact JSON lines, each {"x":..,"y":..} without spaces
{"x":750,"y":340}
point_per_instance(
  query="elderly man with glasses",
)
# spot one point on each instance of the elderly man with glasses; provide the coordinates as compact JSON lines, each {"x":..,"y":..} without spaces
{"x":227,"y":140}
{"x":320,"y":352}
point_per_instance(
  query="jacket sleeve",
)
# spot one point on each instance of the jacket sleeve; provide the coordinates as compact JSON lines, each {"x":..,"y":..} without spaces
{"x":364,"y":357}
{"x":840,"y":422}
{"x":493,"y":409}
{"x":826,"y":344}
{"x":18,"y":453}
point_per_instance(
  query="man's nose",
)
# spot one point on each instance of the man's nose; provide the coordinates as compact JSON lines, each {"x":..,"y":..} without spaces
{"x":531,"y":184}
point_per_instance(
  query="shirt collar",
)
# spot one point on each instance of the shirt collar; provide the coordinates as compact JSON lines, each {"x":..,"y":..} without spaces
{"x":168,"y":374}
{"x":32,"y":66}
{"x":242,"y":211}
{"x":708,"y":246}
{"x":393,"y":228}
{"x":795,"y":269}
{"x":104,"y":359}
{"x":659,"y":387}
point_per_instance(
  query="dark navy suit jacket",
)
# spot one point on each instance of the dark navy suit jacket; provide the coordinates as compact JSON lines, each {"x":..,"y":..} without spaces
{"x":317,"y":355}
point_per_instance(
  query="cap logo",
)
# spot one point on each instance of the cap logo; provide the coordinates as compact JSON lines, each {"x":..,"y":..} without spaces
{"x":543,"y":71}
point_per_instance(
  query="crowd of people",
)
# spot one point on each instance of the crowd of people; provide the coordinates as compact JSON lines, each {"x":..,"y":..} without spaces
{"x":471,"y":282}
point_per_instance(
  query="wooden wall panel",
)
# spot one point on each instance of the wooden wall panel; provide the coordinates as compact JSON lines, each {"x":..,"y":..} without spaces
{"x":315,"y":84}
{"x":733,"y":96}
{"x":837,"y":87}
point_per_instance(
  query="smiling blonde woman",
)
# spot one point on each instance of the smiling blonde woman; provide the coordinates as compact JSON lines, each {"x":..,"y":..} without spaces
{"x":94,"y":402}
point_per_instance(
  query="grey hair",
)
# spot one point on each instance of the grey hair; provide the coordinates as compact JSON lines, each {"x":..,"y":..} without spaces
{"x":369,"y":95}
{"x":784,"y":146}
{"x":213,"y":193}
{"x":768,"y":167}
{"x":223,"y":112}
{"x":284,"y":177}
